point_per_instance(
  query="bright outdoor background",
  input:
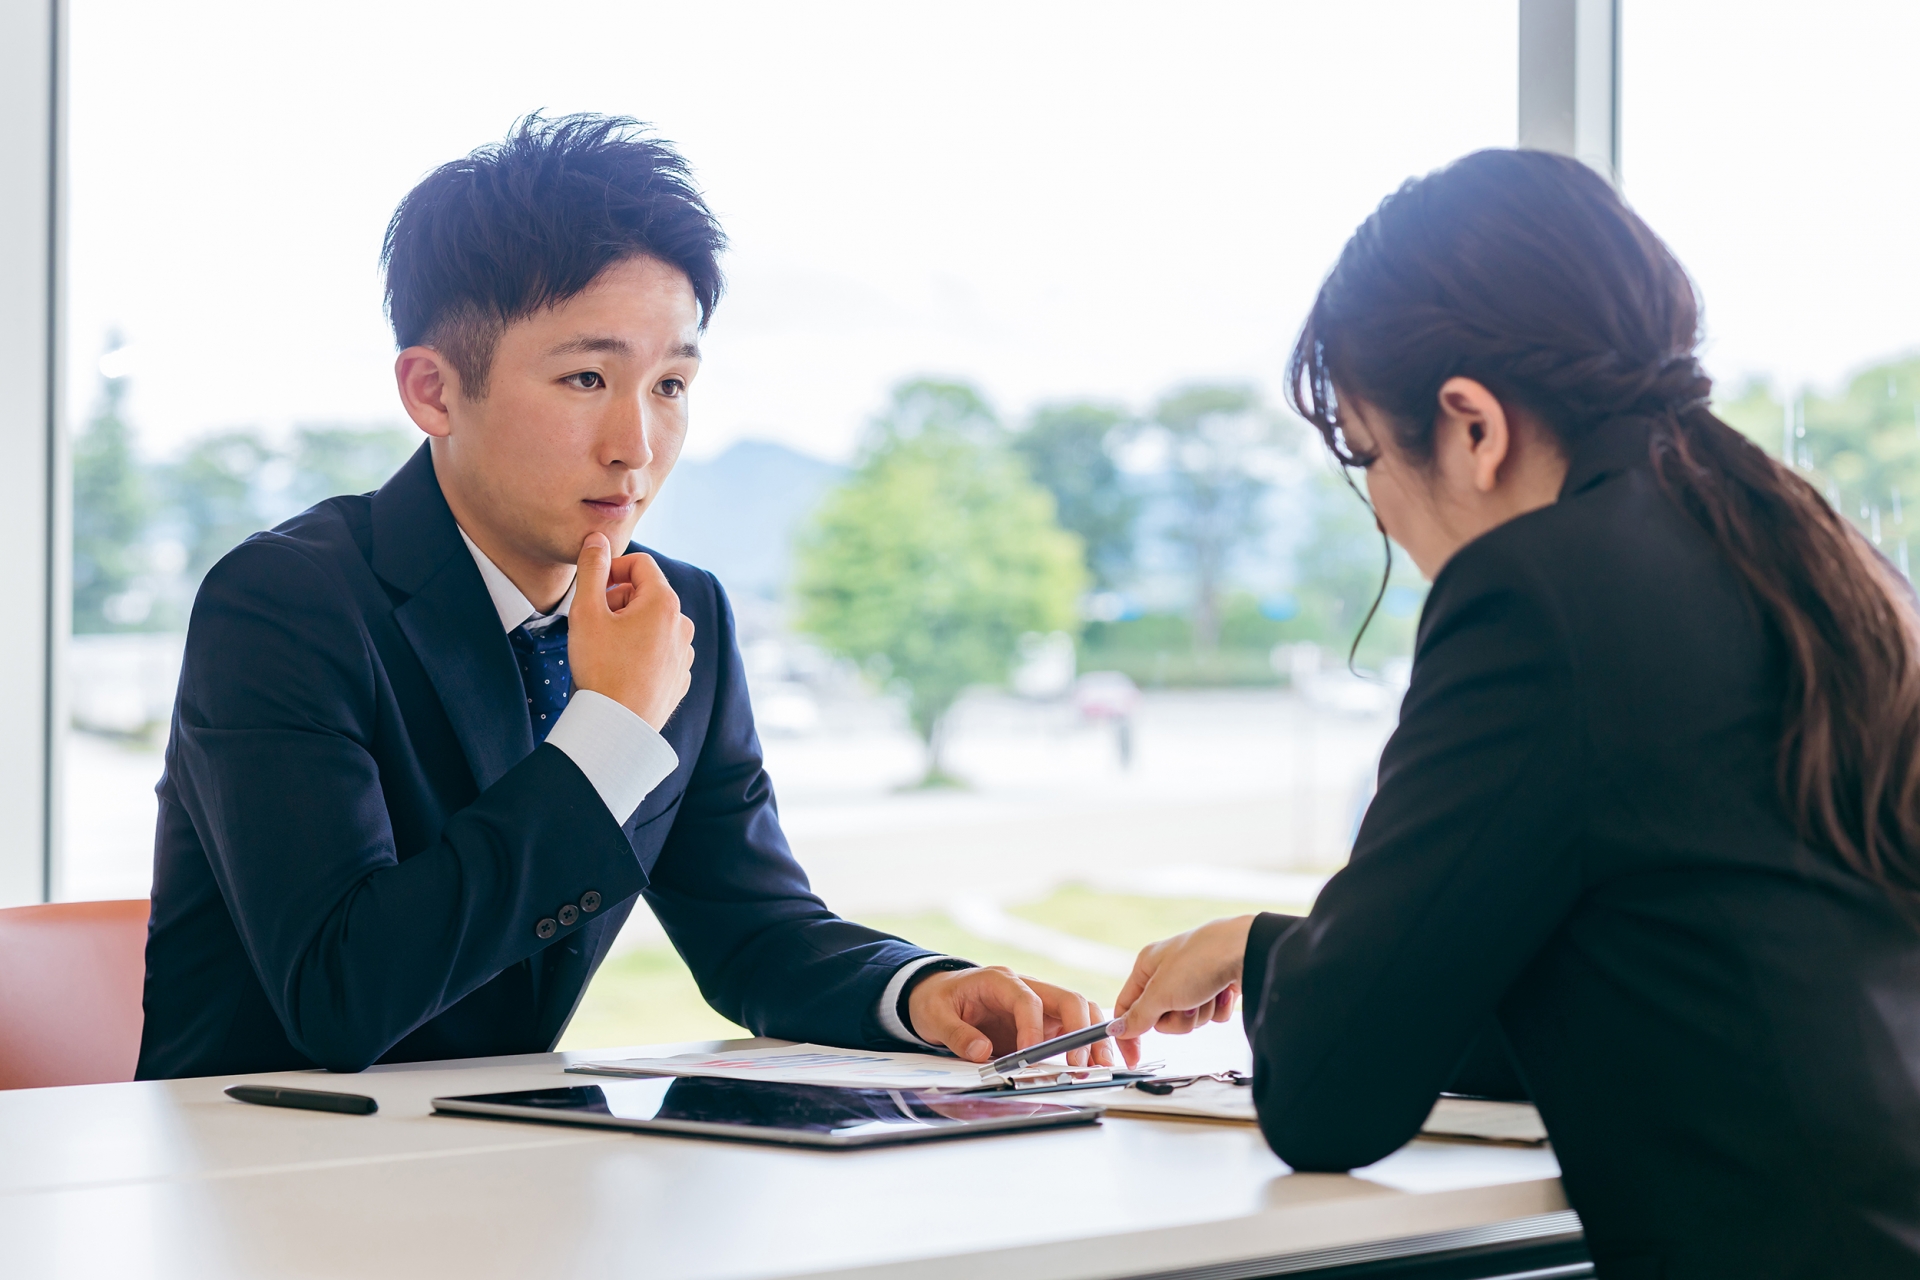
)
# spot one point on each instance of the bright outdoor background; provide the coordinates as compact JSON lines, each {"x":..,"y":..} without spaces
{"x":1011,"y":291}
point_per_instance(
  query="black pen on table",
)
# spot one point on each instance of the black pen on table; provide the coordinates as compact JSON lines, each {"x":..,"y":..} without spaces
{"x":353,"y":1104}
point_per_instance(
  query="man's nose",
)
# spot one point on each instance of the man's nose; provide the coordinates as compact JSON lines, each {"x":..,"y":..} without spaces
{"x":627,"y":442}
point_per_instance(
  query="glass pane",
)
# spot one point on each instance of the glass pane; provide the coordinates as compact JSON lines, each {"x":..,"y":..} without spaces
{"x":1773,"y":149}
{"x":1072,"y":242}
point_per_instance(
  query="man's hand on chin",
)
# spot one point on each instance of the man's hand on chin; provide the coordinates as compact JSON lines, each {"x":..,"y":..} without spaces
{"x":980,"y":1014}
{"x":627,"y":639}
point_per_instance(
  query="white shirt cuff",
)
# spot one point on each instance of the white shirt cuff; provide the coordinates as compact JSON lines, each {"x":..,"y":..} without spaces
{"x":890,"y":1002}
{"x":621,"y":754}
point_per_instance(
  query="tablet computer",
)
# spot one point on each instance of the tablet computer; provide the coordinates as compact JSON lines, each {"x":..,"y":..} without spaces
{"x":806,"y":1115}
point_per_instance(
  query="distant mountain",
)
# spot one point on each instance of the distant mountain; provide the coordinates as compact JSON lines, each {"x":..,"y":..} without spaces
{"x":738,"y":514}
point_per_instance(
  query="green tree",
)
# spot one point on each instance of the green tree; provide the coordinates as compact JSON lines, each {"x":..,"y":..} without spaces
{"x":930,"y":404}
{"x":1067,"y":447}
{"x":331,"y":460}
{"x":935,"y":556}
{"x":112,"y":508}
{"x":1861,"y":447}
{"x":1753,"y":411}
{"x":1864,"y":447}
{"x":1337,"y":576}
{"x":1220,"y":440}
{"x":212,"y":495}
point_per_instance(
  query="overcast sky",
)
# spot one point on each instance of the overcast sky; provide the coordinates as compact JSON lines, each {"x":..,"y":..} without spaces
{"x":1052,"y":199}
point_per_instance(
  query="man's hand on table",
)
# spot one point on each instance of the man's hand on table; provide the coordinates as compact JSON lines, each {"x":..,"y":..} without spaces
{"x":981,"y":1014}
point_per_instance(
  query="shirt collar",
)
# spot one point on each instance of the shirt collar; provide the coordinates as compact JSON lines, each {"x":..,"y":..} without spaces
{"x":509,"y":601}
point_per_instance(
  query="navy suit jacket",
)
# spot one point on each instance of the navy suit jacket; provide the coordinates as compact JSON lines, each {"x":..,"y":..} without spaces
{"x":358,"y":839}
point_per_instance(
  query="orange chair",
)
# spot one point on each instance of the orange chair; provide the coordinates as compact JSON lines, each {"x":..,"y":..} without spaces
{"x":71,"y":975}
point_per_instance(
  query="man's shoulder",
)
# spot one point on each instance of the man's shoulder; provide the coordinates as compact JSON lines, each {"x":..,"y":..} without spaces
{"x":328,"y":542}
{"x":333,"y":527}
{"x":692,"y":583}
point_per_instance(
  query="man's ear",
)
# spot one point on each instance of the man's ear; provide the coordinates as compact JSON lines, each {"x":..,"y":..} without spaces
{"x":428,"y":388}
{"x":1473,"y":427}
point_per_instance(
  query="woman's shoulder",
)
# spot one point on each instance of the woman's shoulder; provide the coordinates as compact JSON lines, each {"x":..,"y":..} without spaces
{"x":1622,"y":546}
{"x":1624,"y":588}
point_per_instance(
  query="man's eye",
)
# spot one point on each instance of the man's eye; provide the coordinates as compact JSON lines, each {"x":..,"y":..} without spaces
{"x":588,"y":380}
{"x":671,"y":387}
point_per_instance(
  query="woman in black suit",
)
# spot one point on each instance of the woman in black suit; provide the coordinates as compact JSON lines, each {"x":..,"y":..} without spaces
{"x":1649,"y":830}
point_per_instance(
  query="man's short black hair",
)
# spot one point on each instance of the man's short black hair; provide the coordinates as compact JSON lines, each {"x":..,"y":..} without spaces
{"x":531,"y":221}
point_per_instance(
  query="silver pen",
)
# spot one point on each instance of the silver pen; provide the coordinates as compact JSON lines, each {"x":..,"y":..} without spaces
{"x":1048,"y":1048}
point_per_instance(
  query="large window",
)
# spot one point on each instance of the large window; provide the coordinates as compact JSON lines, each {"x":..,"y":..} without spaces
{"x":1773,"y":149}
{"x":1072,"y":239}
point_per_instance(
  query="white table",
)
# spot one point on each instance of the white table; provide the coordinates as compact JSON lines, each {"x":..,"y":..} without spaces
{"x":172,"y":1179}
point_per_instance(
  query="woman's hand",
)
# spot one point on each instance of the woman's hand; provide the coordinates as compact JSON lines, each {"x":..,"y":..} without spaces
{"x":1182,"y":982}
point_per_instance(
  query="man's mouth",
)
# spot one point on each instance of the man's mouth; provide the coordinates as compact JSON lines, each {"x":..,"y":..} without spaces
{"x":616,"y":507}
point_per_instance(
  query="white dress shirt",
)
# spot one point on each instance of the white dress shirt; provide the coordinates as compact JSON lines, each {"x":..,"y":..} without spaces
{"x":623,"y":756}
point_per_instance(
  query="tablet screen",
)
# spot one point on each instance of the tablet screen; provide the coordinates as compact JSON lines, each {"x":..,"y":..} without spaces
{"x":777,"y":1112}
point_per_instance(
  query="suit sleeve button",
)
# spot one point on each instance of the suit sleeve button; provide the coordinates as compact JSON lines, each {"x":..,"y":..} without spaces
{"x":590,"y":901}
{"x":546,"y":928}
{"x":568,"y":914}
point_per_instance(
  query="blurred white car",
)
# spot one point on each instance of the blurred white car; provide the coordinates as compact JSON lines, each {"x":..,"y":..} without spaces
{"x":784,"y":707}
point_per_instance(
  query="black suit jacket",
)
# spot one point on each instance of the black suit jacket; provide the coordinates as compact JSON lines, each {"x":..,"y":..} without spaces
{"x":1578,"y":839}
{"x":358,"y":839}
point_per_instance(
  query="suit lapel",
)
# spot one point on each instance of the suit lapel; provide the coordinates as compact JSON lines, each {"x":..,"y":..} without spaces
{"x":450,"y":620}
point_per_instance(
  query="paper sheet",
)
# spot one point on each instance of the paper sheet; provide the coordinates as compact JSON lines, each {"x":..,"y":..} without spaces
{"x":1201,"y":1100}
{"x":1457,"y":1119}
{"x":807,"y":1064}
{"x":1476,"y":1120}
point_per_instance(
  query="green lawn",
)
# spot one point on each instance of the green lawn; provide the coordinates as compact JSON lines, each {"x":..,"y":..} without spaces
{"x":647,"y":996}
{"x":1128,"y":922}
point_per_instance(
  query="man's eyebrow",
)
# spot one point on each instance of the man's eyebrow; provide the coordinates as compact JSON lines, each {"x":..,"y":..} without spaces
{"x":591,"y":344}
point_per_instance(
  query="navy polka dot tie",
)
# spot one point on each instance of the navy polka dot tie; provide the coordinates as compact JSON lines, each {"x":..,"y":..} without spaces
{"x":543,"y":671}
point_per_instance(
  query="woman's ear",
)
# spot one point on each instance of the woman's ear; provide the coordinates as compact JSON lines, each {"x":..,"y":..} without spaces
{"x":1472,"y":435}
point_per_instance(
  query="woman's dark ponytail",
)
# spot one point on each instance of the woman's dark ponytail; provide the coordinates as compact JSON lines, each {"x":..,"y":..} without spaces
{"x":1526,"y":272}
{"x":1849,"y":765}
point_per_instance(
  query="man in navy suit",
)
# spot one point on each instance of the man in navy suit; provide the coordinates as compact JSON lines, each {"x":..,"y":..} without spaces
{"x":431,"y":743}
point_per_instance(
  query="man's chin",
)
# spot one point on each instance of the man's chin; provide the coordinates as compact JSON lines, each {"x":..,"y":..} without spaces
{"x":617,"y":532}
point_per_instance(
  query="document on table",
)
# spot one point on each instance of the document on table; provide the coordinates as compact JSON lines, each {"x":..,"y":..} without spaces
{"x":1478,"y":1120}
{"x":1456,"y":1119}
{"x":1201,"y":1100}
{"x":808,"y":1064}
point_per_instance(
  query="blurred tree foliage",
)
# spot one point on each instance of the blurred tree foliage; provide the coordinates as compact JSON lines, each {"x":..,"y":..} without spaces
{"x":1220,"y":440}
{"x":328,"y":460}
{"x":145,"y":532}
{"x":935,"y":556}
{"x":920,"y":405}
{"x":213,"y":498}
{"x":1867,"y":438}
{"x":1068,"y":448}
{"x":1337,"y":573}
{"x":1861,"y":447}
{"x":112,"y":505}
